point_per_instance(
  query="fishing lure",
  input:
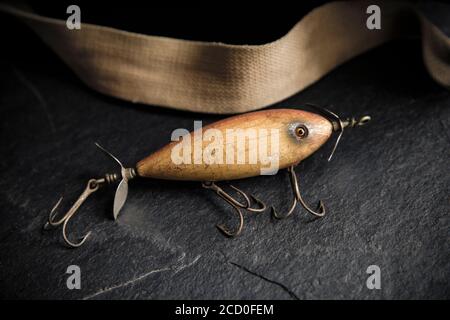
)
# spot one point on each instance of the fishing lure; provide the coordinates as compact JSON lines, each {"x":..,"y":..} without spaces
{"x":300,"y":134}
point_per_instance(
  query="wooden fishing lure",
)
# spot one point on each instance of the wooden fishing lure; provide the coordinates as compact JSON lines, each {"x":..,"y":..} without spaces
{"x":300,"y":134}
{"x":238,"y":147}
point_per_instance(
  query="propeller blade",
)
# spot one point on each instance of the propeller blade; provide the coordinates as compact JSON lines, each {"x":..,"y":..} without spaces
{"x":120,"y":197}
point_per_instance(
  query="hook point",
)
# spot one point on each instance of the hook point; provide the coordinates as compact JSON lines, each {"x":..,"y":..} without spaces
{"x":227,"y":232}
{"x":80,"y":241}
{"x":275,"y":213}
{"x":260,"y":203}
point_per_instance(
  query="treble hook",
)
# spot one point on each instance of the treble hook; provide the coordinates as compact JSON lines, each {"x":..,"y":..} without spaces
{"x":237,"y":206}
{"x":92,"y":186}
{"x":298,"y":198}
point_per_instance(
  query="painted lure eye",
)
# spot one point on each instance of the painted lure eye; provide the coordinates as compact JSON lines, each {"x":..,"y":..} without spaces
{"x":301,"y":131}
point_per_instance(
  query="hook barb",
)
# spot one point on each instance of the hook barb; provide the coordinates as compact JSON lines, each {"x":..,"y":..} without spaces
{"x":226,"y":231}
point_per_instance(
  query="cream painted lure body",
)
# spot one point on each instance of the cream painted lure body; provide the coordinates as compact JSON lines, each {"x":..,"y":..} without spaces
{"x":294,"y":145}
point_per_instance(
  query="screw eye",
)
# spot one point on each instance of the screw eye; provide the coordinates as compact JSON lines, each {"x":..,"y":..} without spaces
{"x":301,"y":131}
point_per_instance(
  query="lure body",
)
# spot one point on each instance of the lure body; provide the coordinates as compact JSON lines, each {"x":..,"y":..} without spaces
{"x":291,"y":136}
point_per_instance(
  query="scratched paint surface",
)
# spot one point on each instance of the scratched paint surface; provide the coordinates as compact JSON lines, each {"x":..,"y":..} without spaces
{"x":386,"y":191}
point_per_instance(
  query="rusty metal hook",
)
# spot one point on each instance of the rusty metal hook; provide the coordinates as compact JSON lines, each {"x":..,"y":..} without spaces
{"x":92,"y":186}
{"x":237,"y":206}
{"x":298,"y":198}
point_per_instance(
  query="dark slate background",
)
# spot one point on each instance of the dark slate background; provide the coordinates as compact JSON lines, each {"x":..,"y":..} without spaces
{"x":386,"y":191}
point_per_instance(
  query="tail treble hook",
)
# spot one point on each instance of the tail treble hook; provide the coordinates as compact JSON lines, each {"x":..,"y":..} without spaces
{"x":92,"y":186}
{"x":237,"y":206}
{"x":298,"y":198}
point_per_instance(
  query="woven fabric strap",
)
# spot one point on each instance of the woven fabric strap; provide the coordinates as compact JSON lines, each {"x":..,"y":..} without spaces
{"x":221,"y":78}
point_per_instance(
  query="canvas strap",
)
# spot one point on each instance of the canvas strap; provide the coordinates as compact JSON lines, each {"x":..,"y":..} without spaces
{"x":222,"y":78}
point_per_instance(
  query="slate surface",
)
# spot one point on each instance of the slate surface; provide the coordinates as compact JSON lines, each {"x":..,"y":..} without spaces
{"x":386,"y":191}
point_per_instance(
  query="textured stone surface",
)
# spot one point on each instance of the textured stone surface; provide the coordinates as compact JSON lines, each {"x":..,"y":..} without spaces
{"x":386,"y":191}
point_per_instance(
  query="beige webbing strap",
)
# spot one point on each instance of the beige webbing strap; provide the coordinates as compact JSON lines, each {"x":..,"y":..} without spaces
{"x":221,"y":78}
